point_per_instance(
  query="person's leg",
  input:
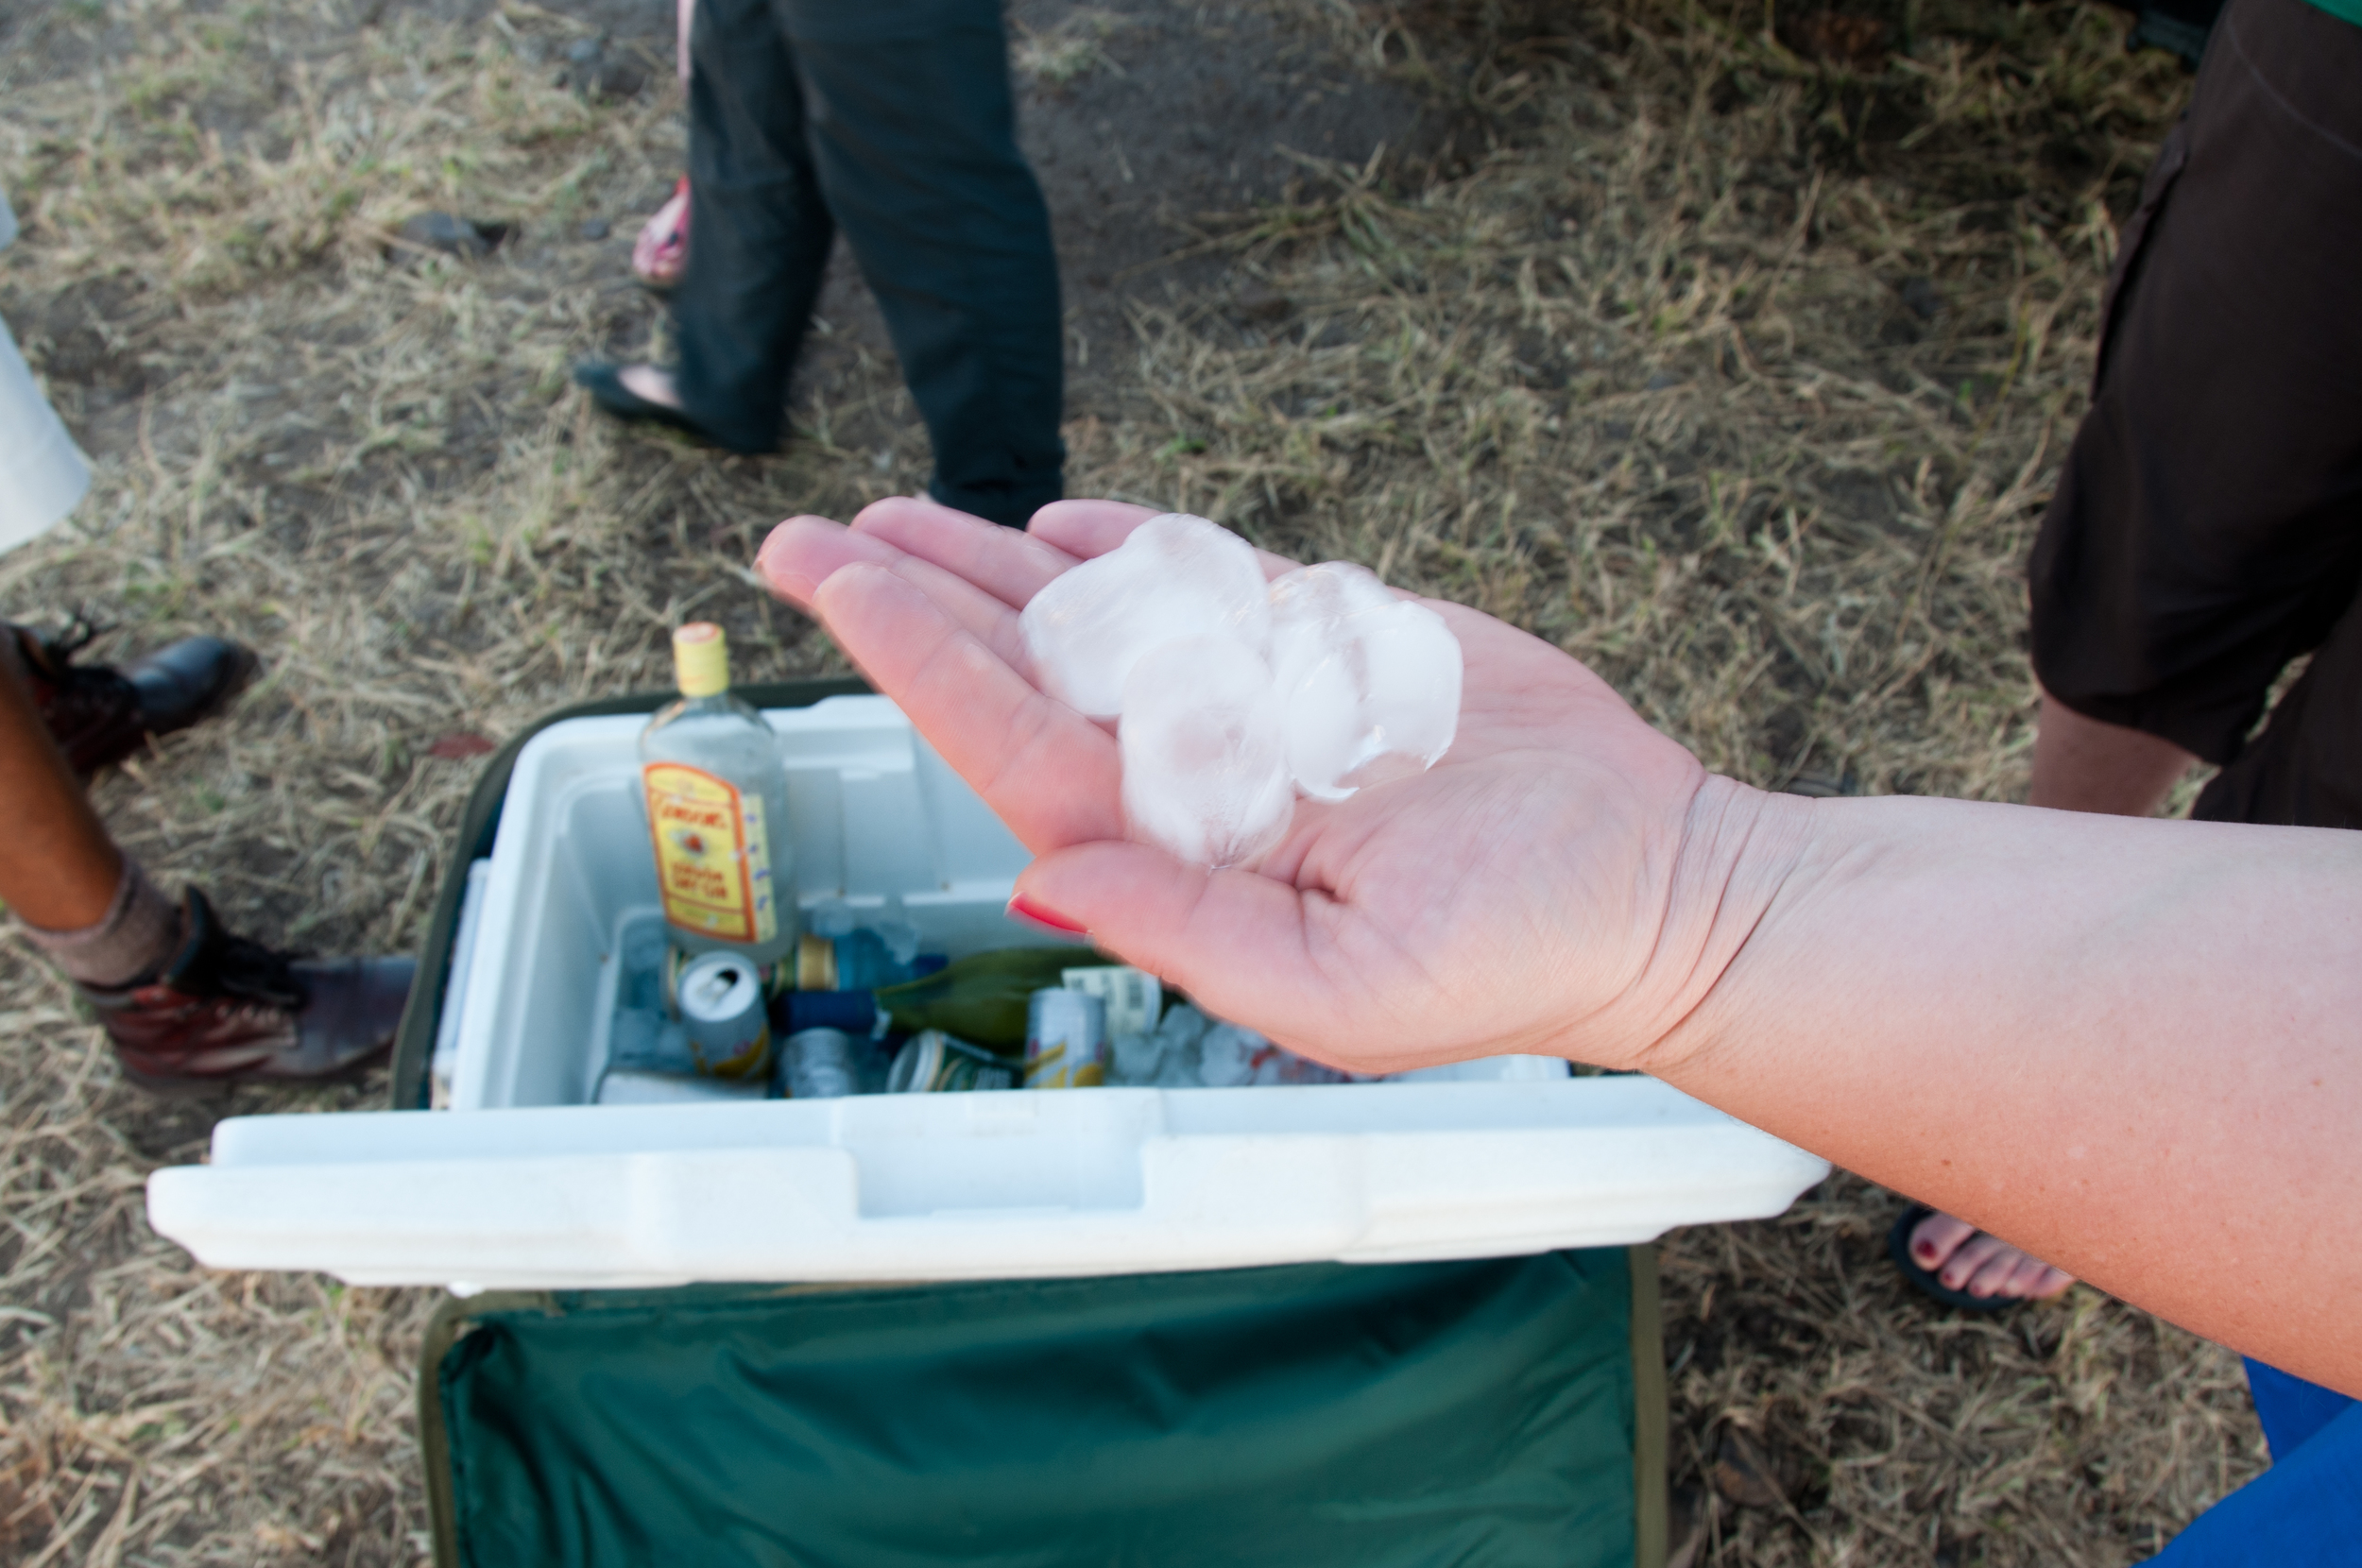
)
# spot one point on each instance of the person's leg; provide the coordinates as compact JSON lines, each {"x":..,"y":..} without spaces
{"x":99,"y":713}
{"x":186,"y":1002}
{"x":2208,"y":523}
{"x":59,"y":871}
{"x":2089,"y":765}
{"x":759,"y":236}
{"x":914,"y":135}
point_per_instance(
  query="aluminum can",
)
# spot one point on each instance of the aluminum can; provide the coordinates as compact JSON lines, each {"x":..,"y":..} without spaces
{"x":1065,"y":1040}
{"x":677,"y":960}
{"x":721,"y":1009}
{"x":930,"y":1061}
{"x":819,"y":1063}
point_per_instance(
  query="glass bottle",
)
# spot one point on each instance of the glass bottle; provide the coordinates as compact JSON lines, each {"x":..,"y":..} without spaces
{"x":717,"y":811}
{"x":980,"y":999}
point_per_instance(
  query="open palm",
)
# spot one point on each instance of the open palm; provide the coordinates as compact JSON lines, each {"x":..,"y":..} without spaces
{"x":1524,"y":894}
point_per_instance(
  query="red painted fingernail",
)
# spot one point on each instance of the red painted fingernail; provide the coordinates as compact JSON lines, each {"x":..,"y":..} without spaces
{"x":1025,"y":908}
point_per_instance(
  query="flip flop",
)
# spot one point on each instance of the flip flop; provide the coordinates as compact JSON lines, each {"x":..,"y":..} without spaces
{"x":1899,"y":1248}
{"x":605,"y":382}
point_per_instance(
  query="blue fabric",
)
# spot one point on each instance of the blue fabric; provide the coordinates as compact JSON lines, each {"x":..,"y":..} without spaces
{"x":2307,"y":1507}
{"x":2291,"y":1408}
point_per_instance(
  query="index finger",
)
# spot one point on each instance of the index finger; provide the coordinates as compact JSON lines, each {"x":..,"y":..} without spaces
{"x":1007,"y":563}
{"x":1045,"y":771}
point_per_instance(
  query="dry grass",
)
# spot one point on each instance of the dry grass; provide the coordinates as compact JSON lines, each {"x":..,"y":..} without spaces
{"x":1652,"y":378}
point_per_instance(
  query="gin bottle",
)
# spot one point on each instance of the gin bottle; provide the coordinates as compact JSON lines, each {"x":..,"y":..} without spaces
{"x":717,"y":811}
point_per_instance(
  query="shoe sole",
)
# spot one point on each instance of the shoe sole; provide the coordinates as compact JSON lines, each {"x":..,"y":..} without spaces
{"x":187,"y":1089}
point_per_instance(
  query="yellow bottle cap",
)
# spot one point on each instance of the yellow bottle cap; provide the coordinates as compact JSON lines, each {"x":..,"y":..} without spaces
{"x":701,"y":659}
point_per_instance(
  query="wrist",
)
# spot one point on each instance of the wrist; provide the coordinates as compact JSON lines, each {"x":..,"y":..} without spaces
{"x":1740,"y":848}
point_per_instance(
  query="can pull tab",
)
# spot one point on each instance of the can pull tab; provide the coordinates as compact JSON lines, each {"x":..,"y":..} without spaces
{"x":709,"y":988}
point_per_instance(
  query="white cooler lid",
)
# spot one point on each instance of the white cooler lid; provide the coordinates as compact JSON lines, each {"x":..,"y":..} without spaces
{"x":970,"y":1185}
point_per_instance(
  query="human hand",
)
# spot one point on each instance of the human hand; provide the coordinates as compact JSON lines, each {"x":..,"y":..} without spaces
{"x":1556,"y":884}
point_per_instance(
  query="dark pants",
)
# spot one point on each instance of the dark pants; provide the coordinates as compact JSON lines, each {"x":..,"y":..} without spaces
{"x":2207,"y":529}
{"x":892,"y":119}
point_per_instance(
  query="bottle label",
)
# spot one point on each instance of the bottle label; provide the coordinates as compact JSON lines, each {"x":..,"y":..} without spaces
{"x":712,"y":854}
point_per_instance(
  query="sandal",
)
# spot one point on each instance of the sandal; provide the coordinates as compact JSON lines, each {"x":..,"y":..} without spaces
{"x":1899,"y":1248}
{"x":661,"y":255}
{"x":605,"y":382}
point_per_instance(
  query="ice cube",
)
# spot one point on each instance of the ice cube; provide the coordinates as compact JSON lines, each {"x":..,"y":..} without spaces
{"x":645,"y":1040}
{"x":1369,"y":684}
{"x":1135,"y":1060}
{"x":1178,"y":1038}
{"x":1230,"y":1057}
{"x":1176,"y":576}
{"x":1204,"y":759}
{"x":645,"y":947}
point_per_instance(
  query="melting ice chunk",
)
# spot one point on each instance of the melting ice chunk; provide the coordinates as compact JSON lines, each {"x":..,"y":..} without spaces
{"x":1204,"y":759}
{"x":1369,"y":683}
{"x":1175,"y":576}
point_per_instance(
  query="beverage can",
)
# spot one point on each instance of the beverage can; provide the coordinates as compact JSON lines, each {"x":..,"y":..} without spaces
{"x":818,"y":1064}
{"x":930,"y":1061}
{"x":722,"y":1010}
{"x":1065,"y":1040}
{"x":677,"y":962}
{"x":1134,"y":997}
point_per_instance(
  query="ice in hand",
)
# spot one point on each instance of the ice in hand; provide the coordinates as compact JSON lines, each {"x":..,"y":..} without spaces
{"x":1204,"y":756}
{"x":1175,"y":576}
{"x":1368,"y":684}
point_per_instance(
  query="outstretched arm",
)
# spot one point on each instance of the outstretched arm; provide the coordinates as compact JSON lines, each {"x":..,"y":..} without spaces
{"x":2134,"y":1048}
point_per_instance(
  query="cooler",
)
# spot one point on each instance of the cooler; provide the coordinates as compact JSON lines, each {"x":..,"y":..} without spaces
{"x":1410,"y":1321}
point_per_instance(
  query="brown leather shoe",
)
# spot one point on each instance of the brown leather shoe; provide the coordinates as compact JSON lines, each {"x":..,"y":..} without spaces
{"x":230,"y":1010}
{"x":100,"y":714}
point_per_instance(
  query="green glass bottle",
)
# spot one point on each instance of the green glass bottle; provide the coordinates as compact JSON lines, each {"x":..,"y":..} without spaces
{"x":980,"y":999}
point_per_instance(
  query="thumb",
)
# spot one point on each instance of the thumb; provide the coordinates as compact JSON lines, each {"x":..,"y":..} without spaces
{"x":1236,"y":942}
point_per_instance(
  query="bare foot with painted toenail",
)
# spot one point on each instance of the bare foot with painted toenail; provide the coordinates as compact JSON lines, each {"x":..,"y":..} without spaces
{"x":1965,"y":1258}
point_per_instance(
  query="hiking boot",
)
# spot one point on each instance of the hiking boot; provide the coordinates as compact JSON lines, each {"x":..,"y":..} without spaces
{"x":229,"y":1011}
{"x":99,"y":714}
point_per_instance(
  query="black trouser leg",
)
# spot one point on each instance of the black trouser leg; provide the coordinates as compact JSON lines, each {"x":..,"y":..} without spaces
{"x":759,"y":231}
{"x":913,"y":134}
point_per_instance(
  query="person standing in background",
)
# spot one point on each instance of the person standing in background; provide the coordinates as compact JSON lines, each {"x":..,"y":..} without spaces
{"x":2205,"y":535}
{"x":894,"y":122}
{"x":188,"y":1005}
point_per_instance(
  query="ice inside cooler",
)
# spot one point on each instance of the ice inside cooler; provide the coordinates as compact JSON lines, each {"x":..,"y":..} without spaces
{"x":882,"y":828}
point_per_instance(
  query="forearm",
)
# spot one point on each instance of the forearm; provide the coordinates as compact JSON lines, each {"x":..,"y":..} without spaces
{"x":2127,"y":1047}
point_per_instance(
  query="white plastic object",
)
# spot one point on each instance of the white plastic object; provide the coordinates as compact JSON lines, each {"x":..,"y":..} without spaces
{"x":527,"y":1185}
{"x":44,"y":475}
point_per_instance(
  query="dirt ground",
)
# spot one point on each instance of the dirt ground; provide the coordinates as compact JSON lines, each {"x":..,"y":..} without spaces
{"x":1731,"y":346}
